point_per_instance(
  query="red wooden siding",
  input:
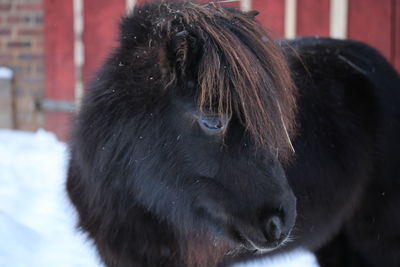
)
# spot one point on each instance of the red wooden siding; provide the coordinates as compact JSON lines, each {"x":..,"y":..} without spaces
{"x":272,"y":14}
{"x":59,"y":60}
{"x":396,"y":34}
{"x":139,"y":2}
{"x":313,"y":17}
{"x":59,"y":123}
{"x":101,"y":20}
{"x":235,"y":4}
{"x":371,"y":21}
{"x":59,"y":47}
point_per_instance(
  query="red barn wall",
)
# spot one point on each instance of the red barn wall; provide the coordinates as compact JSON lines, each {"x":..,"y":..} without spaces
{"x":272,"y":15}
{"x":101,"y":20}
{"x":313,"y":17}
{"x":59,"y":60}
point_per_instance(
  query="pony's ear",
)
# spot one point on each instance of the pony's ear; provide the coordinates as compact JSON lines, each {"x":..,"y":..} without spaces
{"x":183,"y":52}
{"x":253,"y":13}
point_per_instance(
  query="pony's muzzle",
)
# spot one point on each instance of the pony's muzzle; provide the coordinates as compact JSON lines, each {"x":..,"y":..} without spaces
{"x":249,"y":229}
{"x":266,"y":235}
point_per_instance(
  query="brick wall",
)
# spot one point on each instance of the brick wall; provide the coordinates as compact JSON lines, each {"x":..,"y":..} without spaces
{"x":21,"y":49}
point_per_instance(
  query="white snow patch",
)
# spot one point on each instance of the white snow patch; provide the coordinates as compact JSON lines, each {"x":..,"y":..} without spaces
{"x":37,"y":222}
{"x":36,"y":219}
{"x":299,"y":258}
{"x":6,"y":73}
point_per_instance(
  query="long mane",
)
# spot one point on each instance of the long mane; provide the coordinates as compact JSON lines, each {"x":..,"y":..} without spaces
{"x":241,"y":71}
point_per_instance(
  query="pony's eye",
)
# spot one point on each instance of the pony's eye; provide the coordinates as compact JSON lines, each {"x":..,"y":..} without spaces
{"x":212,"y":124}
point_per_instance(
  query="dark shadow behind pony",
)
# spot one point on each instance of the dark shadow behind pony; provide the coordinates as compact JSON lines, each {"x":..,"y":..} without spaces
{"x":200,"y":132}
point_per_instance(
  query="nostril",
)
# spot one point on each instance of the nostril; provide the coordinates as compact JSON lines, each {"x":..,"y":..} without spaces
{"x":273,"y":228}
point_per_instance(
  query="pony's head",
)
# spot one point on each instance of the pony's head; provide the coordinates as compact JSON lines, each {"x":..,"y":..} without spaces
{"x":196,"y":110}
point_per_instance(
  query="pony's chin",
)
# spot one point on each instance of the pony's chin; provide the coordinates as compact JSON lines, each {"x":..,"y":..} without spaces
{"x":249,"y":246}
{"x":246,"y":244}
{"x":259,"y":250}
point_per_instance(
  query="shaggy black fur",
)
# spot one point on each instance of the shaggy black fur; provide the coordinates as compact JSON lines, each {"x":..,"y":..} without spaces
{"x":168,"y":166}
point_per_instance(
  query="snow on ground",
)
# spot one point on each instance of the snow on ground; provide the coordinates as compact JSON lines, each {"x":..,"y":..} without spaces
{"x":36,"y":219}
{"x":6,"y":73}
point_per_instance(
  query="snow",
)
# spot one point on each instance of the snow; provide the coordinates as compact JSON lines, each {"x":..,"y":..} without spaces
{"x":37,"y":221}
{"x":6,"y":73}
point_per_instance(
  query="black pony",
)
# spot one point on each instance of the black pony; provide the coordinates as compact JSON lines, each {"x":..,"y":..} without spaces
{"x":201,"y":133}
